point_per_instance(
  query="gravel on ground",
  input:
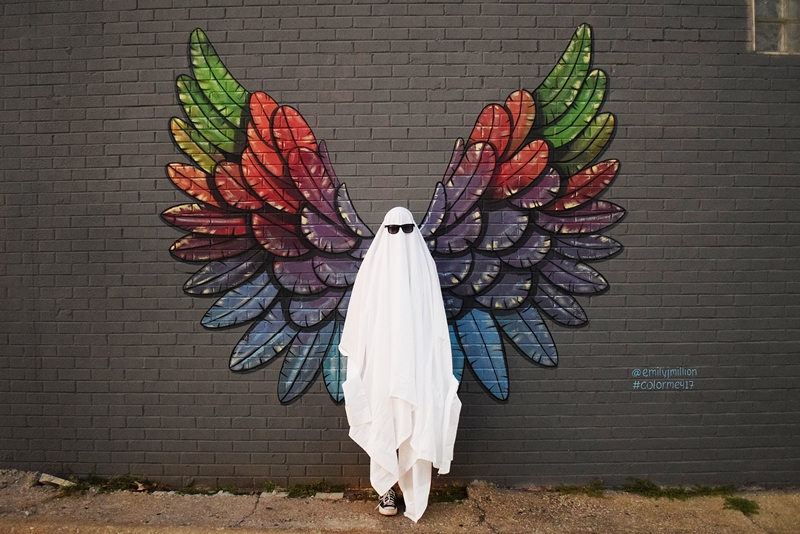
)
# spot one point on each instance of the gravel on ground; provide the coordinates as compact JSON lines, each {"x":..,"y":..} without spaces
{"x":31,"y":508}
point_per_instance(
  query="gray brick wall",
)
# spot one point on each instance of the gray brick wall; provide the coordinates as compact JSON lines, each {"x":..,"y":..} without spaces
{"x":104,"y":367}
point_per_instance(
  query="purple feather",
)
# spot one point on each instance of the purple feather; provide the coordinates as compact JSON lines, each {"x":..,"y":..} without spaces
{"x":539,"y":193}
{"x":307,"y":311}
{"x":589,"y":218}
{"x":298,"y":276}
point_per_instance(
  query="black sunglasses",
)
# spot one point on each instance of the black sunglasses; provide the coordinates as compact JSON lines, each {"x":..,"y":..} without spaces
{"x":394,"y":228}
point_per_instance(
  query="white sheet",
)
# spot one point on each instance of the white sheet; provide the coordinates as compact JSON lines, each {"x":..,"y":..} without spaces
{"x":400,"y":393}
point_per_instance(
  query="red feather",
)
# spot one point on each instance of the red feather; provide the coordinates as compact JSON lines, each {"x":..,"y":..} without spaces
{"x":192,"y":181}
{"x":290,"y":130}
{"x":312,"y":179}
{"x":208,"y":248}
{"x":494,"y":127}
{"x":586,"y":185}
{"x":522,"y":109}
{"x":231,"y":185}
{"x":262,"y":107}
{"x":276,"y":190}
{"x":202,"y":220}
{"x":266,"y":153}
{"x":520,"y":171}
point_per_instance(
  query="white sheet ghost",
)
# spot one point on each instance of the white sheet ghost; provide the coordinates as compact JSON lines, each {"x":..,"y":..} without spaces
{"x":400,"y":393}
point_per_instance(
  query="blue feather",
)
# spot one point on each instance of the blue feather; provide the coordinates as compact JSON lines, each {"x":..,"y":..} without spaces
{"x":483,"y":348}
{"x":334,"y":364}
{"x":242,"y":304}
{"x":302,"y":361}
{"x":222,"y":275}
{"x":528,"y":333}
{"x":458,"y":353}
{"x":265,"y":340}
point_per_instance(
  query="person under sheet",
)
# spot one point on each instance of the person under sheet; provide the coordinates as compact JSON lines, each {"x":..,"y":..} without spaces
{"x":400,"y":393}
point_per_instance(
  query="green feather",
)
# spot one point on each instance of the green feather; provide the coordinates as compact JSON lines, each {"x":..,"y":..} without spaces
{"x":586,"y":147}
{"x":205,"y":117}
{"x":221,"y":89}
{"x":562,"y":85}
{"x":580,"y":113}
{"x":195,"y":145}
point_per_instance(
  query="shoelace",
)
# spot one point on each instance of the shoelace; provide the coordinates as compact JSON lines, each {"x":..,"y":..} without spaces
{"x":388,"y":499}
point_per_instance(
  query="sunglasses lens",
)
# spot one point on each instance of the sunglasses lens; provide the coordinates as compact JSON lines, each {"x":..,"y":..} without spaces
{"x":394,"y":228}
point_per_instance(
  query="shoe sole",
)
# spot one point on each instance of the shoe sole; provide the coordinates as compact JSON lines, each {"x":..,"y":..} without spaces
{"x":388,"y":511}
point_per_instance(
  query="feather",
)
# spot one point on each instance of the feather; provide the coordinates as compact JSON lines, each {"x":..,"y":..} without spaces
{"x":436,"y":211}
{"x":452,"y":305}
{"x":290,"y":130}
{"x":265,"y":340}
{"x":194,"y":145}
{"x":324,"y":234}
{"x":559,"y":306}
{"x":243,"y":303}
{"x":206,"y":119}
{"x":194,"y":247}
{"x":276,"y":190}
{"x":573,"y":157}
{"x":222,"y":89}
{"x":222,"y":275}
{"x":508,"y":291}
{"x":310,"y":310}
{"x":192,"y":181}
{"x":312,"y":180}
{"x":483,"y":349}
{"x":586,"y":247}
{"x":298,"y":276}
{"x":586,"y":185}
{"x":266,"y":154}
{"x":348,"y":215}
{"x":469,"y":180}
{"x":337,"y":271}
{"x":459,"y":237}
{"x":529,"y":251}
{"x":522,"y":110}
{"x":231,"y":185}
{"x":493,"y":127}
{"x":206,"y":220}
{"x":334,"y":364}
{"x":452,"y":270}
{"x":529,"y":334}
{"x":587,"y":219}
{"x":485,"y":269}
{"x":559,"y":89}
{"x":504,"y":228}
{"x":262,"y":108}
{"x":580,"y":113}
{"x":302,"y":361}
{"x":457,"y":351}
{"x":279,"y":233}
{"x":540,"y":193}
{"x":573,"y":276}
{"x":520,"y":171}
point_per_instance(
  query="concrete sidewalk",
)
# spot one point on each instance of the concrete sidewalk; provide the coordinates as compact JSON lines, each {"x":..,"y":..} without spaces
{"x":35,"y":509}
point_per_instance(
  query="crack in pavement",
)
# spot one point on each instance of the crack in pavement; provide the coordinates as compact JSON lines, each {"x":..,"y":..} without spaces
{"x":482,"y":517}
{"x":252,"y":512}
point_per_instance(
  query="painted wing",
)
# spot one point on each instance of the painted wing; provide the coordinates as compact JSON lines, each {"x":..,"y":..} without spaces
{"x":516,"y":218}
{"x":279,"y":238}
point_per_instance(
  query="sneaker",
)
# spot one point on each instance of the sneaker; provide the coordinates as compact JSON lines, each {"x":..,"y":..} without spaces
{"x":387,"y":505}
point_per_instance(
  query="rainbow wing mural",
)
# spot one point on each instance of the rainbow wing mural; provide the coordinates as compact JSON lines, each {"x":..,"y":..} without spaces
{"x":511,"y":226}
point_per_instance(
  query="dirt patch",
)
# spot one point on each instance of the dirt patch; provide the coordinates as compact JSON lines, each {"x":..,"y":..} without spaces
{"x":28,"y":507}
